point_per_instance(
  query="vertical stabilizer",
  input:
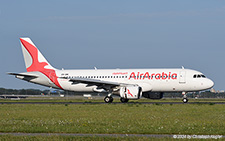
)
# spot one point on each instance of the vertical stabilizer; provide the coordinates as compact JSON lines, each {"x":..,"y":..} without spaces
{"x":33,"y":58}
{"x":35,"y":61}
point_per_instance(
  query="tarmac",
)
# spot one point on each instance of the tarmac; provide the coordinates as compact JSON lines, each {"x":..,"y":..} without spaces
{"x":77,"y":103}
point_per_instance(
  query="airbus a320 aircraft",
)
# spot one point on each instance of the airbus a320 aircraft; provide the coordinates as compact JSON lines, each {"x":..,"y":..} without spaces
{"x":127,"y":83}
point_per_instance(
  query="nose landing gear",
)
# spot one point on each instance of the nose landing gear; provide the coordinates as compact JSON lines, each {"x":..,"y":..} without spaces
{"x":185,"y":99}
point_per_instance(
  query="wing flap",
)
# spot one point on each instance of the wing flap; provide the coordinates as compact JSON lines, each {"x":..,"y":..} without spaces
{"x":93,"y":82}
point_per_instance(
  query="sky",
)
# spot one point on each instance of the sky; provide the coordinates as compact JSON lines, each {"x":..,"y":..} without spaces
{"x":122,"y":34}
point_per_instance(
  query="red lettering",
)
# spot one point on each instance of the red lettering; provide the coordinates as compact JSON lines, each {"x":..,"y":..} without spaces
{"x":169,"y":75}
{"x":164,"y":76}
{"x":146,"y":75}
{"x":174,"y":76}
{"x":141,"y":75}
{"x":152,"y":76}
{"x":158,"y":76}
{"x":118,"y":73}
{"x":132,"y":75}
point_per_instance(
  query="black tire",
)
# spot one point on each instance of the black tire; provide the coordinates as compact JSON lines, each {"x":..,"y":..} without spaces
{"x":123,"y":100}
{"x":108,"y":99}
{"x":185,"y":100}
{"x":111,"y":99}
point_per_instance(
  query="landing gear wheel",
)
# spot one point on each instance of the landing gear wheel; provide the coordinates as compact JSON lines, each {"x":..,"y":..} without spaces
{"x":185,"y":100}
{"x":108,"y":99}
{"x":123,"y":100}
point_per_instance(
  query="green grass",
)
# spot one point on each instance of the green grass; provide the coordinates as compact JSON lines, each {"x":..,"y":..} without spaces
{"x":113,"y":118}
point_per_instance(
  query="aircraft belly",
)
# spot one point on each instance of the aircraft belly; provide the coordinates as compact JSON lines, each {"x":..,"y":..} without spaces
{"x":41,"y":79}
{"x":76,"y":87}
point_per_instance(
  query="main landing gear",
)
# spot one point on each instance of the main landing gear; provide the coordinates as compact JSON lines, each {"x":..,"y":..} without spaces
{"x":108,"y":99}
{"x":185,"y":99}
{"x":123,"y":100}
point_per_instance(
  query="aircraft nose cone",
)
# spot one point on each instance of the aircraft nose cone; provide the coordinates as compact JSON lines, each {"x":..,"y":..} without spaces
{"x":210,"y":83}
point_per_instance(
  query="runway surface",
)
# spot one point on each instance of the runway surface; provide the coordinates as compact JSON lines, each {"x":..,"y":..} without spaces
{"x":211,"y":103}
{"x":118,"y":135}
{"x":92,"y":135}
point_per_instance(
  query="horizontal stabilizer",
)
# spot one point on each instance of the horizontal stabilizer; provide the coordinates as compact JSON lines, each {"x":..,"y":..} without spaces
{"x":23,"y":75}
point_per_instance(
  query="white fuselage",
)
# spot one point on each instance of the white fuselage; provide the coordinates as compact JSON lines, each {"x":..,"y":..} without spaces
{"x":155,"y":80}
{"x":128,"y":83}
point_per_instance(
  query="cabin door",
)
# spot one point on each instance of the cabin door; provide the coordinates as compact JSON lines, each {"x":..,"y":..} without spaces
{"x":182,"y":78}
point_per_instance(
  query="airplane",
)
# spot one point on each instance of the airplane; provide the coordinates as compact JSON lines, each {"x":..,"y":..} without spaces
{"x":129,"y":84}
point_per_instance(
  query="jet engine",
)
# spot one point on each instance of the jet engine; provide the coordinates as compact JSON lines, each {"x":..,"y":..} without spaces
{"x":153,"y":95}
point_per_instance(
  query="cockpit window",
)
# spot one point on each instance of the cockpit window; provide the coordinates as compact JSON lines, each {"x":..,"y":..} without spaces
{"x":199,"y":76}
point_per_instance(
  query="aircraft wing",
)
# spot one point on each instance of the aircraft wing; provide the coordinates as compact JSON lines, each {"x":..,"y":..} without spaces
{"x":94,"y":82}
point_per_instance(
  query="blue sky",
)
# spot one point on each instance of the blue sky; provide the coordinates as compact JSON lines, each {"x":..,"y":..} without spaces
{"x":115,"y":34}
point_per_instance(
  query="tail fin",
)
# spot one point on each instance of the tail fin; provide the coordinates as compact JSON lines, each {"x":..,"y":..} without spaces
{"x":33,"y":58}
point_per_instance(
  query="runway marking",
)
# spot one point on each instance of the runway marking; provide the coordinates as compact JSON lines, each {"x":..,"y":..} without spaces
{"x":210,"y":103}
{"x":102,"y":135}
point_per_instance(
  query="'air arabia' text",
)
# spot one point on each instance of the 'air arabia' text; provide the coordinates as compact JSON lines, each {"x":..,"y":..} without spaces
{"x":146,"y":75}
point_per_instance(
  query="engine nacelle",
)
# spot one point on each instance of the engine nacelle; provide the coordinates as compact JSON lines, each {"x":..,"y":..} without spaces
{"x":131,"y":92}
{"x":153,"y":95}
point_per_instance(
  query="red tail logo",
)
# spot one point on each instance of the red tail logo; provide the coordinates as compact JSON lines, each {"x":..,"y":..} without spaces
{"x":39,"y":66}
